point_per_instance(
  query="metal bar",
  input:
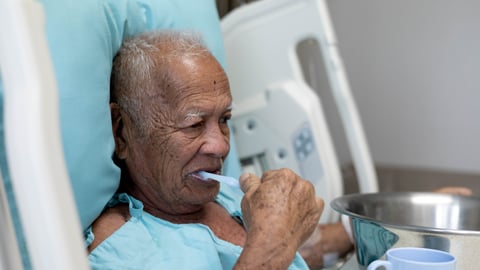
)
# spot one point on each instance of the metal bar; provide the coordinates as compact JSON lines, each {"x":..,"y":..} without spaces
{"x":9,"y":251}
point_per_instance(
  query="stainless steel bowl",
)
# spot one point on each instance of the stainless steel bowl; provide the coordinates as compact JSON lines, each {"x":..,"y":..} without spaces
{"x":381,"y":221}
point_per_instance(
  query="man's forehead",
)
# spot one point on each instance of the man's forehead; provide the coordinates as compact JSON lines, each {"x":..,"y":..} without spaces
{"x":196,"y":88}
{"x":191,"y":100}
{"x":189,"y":80}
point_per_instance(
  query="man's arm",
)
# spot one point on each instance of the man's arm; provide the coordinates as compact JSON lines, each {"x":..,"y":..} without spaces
{"x":280,"y":212}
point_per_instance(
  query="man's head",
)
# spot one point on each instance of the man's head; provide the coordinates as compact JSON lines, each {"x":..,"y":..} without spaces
{"x":170,"y":106}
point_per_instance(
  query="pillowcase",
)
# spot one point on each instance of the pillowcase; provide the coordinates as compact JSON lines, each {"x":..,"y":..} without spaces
{"x":83,"y":38}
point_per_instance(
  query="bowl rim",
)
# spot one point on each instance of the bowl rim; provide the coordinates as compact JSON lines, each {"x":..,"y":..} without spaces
{"x":335,"y":205}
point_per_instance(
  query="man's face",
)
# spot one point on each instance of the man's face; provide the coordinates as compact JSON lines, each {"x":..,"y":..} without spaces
{"x":188,"y":133}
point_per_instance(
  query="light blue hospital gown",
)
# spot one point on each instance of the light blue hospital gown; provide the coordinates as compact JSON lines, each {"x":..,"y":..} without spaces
{"x":146,"y":242}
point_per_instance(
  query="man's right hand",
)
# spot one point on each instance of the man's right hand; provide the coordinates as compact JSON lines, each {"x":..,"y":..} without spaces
{"x":280,"y":211}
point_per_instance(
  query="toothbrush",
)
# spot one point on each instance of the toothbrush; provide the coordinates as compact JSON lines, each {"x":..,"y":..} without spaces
{"x":220,"y":178}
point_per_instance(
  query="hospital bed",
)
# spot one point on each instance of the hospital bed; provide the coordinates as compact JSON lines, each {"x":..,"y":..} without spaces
{"x":276,"y":51}
{"x":34,"y":148}
{"x":301,"y":140}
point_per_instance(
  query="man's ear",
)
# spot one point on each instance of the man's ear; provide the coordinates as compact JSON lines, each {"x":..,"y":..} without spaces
{"x":120,"y":133}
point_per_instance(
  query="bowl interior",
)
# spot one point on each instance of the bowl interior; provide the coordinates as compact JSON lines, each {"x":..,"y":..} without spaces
{"x":413,"y":209}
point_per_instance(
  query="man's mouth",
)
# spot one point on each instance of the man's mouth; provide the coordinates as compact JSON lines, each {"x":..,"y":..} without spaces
{"x":206,"y":176}
{"x":200,"y":174}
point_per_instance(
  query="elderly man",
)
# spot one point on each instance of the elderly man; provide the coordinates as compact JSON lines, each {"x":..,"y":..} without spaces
{"x":170,"y":106}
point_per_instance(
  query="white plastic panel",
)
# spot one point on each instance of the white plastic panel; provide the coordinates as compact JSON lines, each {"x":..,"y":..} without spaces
{"x":288,"y":130}
{"x":261,"y":39}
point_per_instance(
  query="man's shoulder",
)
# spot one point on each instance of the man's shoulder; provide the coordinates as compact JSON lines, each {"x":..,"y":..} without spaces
{"x":107,"y":223}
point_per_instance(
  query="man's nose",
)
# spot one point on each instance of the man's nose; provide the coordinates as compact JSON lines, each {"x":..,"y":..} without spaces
{"x":217,"y":142}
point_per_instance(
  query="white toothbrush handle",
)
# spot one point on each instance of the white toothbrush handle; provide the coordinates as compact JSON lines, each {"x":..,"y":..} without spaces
{"x":221,"y":178}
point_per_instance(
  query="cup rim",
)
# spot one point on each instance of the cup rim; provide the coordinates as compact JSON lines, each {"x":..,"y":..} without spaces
{"x":452,"y":258}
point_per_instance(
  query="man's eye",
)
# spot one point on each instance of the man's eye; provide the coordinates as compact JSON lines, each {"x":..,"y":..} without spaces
{"x":197,"y":125}
{"x":225,"y":119}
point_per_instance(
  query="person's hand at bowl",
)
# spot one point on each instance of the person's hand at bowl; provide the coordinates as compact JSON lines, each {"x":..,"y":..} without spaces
{"x":327,"y":243}
{"x":464,"y":191}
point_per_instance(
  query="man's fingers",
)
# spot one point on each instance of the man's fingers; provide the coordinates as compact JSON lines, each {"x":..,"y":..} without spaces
{"x":320,"y":203}
{"x":455,"y":190}
{"x":248,"y":182}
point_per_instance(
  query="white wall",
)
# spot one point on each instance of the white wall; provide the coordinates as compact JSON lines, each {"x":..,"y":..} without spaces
{"x":414,"y":69}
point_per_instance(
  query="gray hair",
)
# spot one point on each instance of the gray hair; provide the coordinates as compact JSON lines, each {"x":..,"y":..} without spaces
{"x":139,"y":62}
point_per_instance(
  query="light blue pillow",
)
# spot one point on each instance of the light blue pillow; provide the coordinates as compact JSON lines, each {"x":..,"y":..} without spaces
{"x":83,"y":37}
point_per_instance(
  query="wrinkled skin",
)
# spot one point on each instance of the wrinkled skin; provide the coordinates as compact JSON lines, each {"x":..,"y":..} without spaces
{"x":282,"y":222}
{"x":188,"y":132}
